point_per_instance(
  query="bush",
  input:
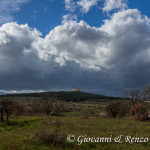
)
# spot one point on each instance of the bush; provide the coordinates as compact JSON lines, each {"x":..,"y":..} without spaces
{"x":139,"y":111}
{"x":85,"y":114}
{"x":120,"y":108}
{"x":47,"y":138}
{"x":113,"y":109}
{"x":55,"y":137}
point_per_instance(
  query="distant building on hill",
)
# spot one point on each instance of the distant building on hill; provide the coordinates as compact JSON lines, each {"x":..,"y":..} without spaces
{"x":76,"y":90}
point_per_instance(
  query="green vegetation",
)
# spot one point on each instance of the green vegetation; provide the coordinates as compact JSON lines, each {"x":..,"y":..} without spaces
{"x":49,"y":133}
{"x":43,"y":122}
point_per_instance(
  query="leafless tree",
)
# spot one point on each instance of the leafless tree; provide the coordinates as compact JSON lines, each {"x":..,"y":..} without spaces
{"x":138,"y":95}
{"x":5,"y":104}
{"x":59,"y":106}
{"x":146,"y":93}
{"x":46,"y":103}
{"x":134,"y":95}
{"x":17,"y":108}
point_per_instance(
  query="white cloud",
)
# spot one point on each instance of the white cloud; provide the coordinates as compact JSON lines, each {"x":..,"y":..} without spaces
{"x":130,"y":32}
{"x":87,"y":4}
{"x":16,"y":92}
{"x":70,"y":5}
{"x":68,"y":18}
{"x":90,"y":47}
{"x":7,"y":7}
{"x":98,"y":47}
{"x":110,"y":5}
{"x":16,"y":51}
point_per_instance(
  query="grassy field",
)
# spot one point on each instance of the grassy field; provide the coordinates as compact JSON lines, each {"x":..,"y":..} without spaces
{"x":50,"y":133}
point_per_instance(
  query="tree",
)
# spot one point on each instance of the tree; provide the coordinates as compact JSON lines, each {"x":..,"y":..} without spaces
{"x":146,"y":93}
{"x":113,"y":108}
{"x":134,"y":95}
{"x":137,"y":98}
{"x":59,"y":106}
{"x":16,"y":108}
{"x":138,"y":108}
{"x":138,"y":95}
{"x":120,"y":108}
{"x":5,"y":104}
{"x":46,"y":104}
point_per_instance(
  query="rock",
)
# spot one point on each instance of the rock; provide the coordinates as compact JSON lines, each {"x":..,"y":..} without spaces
{"x":103,"y":114}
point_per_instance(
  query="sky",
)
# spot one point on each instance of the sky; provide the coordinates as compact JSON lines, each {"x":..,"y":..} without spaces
{"x":98,"y":46}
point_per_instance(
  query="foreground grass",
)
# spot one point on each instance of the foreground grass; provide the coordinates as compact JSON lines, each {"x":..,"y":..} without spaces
{"x":49,"y":133}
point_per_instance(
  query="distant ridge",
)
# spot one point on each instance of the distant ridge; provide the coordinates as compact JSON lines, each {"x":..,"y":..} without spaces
{"x":66,"y":96}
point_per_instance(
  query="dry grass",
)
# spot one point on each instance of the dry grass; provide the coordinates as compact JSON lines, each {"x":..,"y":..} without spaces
{"x":49,"y":133}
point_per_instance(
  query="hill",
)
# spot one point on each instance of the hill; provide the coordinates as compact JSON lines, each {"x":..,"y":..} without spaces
{"x":66,"y":96}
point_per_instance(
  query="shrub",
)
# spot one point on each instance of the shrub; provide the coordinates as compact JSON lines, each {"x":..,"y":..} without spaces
{"x":47,"y":138}
{"x":55,"y":137}
{"x":139,"y":111}
{"x":85,"y":114}
{"x":120,"y":108}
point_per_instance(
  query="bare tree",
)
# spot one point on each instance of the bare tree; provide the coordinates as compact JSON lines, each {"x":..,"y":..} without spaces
{"x":138,"y":98}
{"x":59,"y":106}
{"x":146,"y":93}
{"x":47,"y":104}
{"x":138,"y":95}
{"x":17,"y":108}
{"x":134,"y":95}
{"x":5,"y":104}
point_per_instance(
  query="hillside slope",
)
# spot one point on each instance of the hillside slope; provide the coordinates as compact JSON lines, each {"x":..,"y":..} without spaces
{"x":66,"y":96}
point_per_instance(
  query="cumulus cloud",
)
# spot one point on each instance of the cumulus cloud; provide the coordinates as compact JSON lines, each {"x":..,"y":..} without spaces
{"x":7,"y":7}
{"x":76,"y":42}
{"x":95,"y":47}
{"x":110,"y":5}
{"x":87,"y":4}
{"x":111,"y":58}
